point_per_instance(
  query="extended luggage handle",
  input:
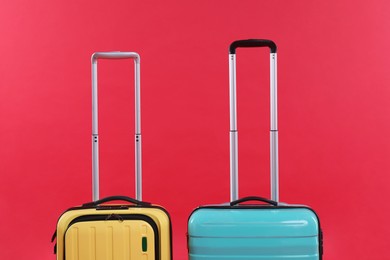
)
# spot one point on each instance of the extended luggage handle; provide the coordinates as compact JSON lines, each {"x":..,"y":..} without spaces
{"x":115,"y":198}
{"x":95,"y":135}
{"x":253,"y":198}
{"x":273,"y":117}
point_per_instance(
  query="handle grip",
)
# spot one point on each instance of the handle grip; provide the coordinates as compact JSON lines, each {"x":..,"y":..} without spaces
{"x":252,"y":43}
{"x":255,"y":198}
{"x":115,"y":55}
{"x":113,"y":198}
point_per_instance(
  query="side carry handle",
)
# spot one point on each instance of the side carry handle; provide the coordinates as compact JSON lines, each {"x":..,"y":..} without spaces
{"x":114,"y":198}
{"x":253,"y":198}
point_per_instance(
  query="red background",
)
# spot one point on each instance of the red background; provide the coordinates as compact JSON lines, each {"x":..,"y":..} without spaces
{"x":334,"y":112}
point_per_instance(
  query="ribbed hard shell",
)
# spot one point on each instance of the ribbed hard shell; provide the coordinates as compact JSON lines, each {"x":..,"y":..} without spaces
{"x":65,"y":234}
{"x":262,"y":233}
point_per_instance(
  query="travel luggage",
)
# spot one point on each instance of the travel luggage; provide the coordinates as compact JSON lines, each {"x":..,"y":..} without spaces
{"x":265,"y":230}
{"x":100,"y":231}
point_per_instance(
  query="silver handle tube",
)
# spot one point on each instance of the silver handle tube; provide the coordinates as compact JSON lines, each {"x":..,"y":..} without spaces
{"x":95,"y":134}
{"x":138,"y":140}
{"x":274,"y":161}
{"x":233,"y":129}
{"x":95,"y":131}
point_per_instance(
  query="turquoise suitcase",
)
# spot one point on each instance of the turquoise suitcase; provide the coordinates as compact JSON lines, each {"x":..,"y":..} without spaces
{"x":241,"y":231}
{"x":264,"y":229}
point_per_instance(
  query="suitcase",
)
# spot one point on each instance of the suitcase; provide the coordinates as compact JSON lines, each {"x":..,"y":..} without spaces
{"x":101,"y":230}
{"x":264,"y":228}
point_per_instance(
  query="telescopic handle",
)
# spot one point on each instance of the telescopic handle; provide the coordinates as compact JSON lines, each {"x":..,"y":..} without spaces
{"x":273,"y":116}
{"x":95,"y":130}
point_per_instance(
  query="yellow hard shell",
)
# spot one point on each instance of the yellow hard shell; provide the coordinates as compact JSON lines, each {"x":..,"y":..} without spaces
{"x":113,"y":240}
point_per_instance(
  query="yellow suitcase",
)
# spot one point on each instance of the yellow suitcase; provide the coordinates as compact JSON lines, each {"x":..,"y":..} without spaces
{"x":98,"y":230}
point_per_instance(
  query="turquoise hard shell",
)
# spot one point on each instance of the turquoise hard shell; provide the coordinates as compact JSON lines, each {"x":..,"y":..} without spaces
{"x":258,"y":233}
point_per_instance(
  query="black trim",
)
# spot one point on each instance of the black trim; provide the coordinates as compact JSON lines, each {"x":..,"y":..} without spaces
{"x":120,"y":217}
{"x":259,"y":206}
{"x":252,"y":43}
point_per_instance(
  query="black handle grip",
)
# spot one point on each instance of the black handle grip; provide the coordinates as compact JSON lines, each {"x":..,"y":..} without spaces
{"x":250,"y":198}
{"x":113,"y":198}
{"x":252,"y":43}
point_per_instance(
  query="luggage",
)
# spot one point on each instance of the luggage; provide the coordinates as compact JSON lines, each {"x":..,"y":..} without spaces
{"x":99,"y":231}
{"x":265,"y":230}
